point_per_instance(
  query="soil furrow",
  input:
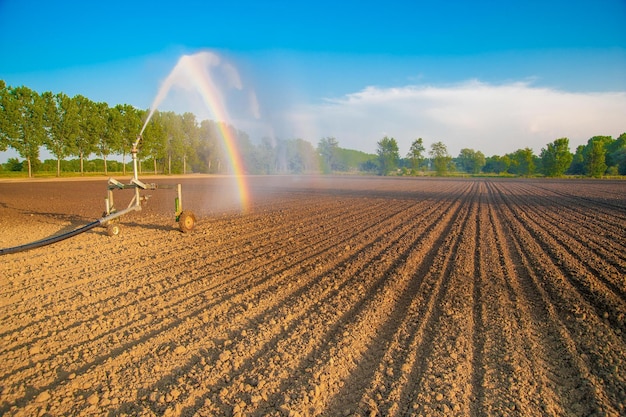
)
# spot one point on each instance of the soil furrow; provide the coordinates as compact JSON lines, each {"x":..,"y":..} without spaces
{"x":592,"y":228}
{"x":400,"y":209}
{"x":312,"y":322}
{"x":446,"y":339}
{"x":589,"y":276}
{"x":570,"y":375}
{"x":148,"y":251}
{"x":346,"y":296}
{"x":369,"y":365}
{"x":225,"y":253}
{"x":184,"y":294}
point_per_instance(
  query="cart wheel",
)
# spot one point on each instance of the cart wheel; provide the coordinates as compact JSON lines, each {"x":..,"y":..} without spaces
{"x":113,"y":229}
{"x":186,"y":221}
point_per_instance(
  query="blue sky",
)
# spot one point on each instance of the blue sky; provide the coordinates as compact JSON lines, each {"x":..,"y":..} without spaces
{"x":493,"y":76}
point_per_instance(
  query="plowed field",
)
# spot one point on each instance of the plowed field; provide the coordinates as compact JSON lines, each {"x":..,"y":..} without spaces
{"x":330,"y":296}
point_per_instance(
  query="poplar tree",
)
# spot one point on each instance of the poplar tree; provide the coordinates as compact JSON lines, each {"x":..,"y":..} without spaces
{"x":131,"y":126}
{"x":6,"y":127}
{"x":61,"y":125}
{"x":27,"y":133}
{"x":85,"y":142}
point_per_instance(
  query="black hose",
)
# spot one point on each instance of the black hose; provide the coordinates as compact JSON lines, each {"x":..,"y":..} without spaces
{"x":50,"y":240}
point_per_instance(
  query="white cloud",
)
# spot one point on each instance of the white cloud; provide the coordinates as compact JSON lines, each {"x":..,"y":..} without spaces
{"x":495,"y":119}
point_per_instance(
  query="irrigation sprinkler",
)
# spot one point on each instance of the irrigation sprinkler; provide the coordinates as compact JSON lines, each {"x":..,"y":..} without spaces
{"x":185,"y":218}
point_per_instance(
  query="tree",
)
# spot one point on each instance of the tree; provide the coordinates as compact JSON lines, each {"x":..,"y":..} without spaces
{"x":577,"y":167}
{"x":109,"y":126}
{"x":7,"y":128}
{"x":292,"y":156}
{"x":617,"y":154}
{"x":328,"y":148}
{"x":190,"y":139}
{"x":522,"y":162}
{"x":266,"y":156}
{"x":61,"y":124}
{"x":471,"y":161}
{"x":85,"y":143}
{"x":595,"y":157}
{"x":441,"y":159}
{"x":174,"y":140}
{"x":556,"y":158}
{"x":388,"y":155}
{"x":416,"y":153}
{"x":25,"y":114}
{"x":497,"y":164}
{"x":154,"y":139}
{"x":207,"y":145}
{"x":131,"y":126}
{"x":13,"y":164}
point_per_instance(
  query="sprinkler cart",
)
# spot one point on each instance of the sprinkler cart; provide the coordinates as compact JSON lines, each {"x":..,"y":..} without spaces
{"x":186,"y":219}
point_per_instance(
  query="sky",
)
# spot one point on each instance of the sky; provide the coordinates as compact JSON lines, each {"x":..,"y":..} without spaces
{"x":494,"y":76}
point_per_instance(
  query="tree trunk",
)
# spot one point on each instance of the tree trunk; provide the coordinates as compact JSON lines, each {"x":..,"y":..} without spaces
{"x":106,"y":170}
{"x":124,"y":163}
{"x":58,"y":166}
{"x":82,"y":172}
{"x":30,"y":171}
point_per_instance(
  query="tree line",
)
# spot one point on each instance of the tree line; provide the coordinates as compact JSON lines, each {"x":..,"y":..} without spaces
{"x":73,"y":129}
{"x":602,"y":155}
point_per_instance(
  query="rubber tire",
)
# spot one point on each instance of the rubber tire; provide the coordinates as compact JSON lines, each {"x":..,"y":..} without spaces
{"x":113,"y":229}
{"x":186,"y":221}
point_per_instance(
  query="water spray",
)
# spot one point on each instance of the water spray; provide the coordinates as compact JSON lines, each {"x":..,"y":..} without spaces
{"x":191,"y":72}
{"x":185,"y":218}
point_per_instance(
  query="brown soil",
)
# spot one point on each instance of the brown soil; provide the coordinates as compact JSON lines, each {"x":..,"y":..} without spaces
{"x":330,"y":296}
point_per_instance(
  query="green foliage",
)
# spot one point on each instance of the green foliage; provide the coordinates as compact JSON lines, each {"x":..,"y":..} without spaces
{"x":442,"y":161}
{"x":522,"y":162}
{"x":388,"y":155}
{"x":556,"y":158}
{"x":471,"y":161}
{"x":85,"y":141}
{"x":416,"y":154}
{"x":61,"y":116}
{"x":6,"y":126}
{"x":172,"y":143}
{"x":577,"y":167}
{"x":288,"y":156}
{"x":357,"y":160}
{"x":616,"y":154}
{"x":595,"y":156}
{"x":497,"y":164}
{"x":13,"y":164}
{"x":25,"y":115}
{"x":328,"y":148}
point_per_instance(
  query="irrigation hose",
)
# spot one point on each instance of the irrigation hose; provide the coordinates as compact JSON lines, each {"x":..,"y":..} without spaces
{"x":50,"y":240}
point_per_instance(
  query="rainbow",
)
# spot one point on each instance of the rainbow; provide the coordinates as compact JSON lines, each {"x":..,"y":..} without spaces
{"x":196,"y":72}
